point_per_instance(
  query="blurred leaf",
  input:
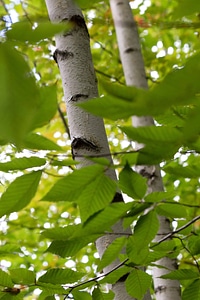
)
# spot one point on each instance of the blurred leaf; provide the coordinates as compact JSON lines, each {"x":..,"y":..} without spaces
{"x":178,"y":88}
{"x":60,"y":233}
{"x":22,"y":163}
{"x":87,"y":4}
{"x":9,"y":249}
{"x":25,"y":32}
{"x":47,"y":106}
{"x":192,"y":171}
{"x":39,"y":142}
{"x":153,"y":134}
{"x":109,"y":107}
{"x":186,"y":8}
{"x":156,"y":153}
{"x":19,"y":95}
{"x":120,"y":91}
{"x":60,"y":276}
{"x":71,"y":246}
{"x":23,"y":276}
{"x":64,"y":162}
{"x":5,"y":279}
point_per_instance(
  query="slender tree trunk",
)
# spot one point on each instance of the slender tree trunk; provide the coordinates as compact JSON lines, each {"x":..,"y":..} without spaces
{"x":87,"y":132}
{"x":133,"y":65}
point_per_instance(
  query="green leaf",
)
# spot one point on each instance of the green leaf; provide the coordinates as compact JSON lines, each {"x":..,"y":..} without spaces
{"x":9,"y":249}
{"x":161,"y":142}
{"x":97,"y":294}
{"x":70,"y":239}
{"x":132,"y":183}
{"x":144,"y":232}
{"x":22,"y":163}
{"x":137,"y":283}
{"x":99,"y":193}
{"x":71,"y":186}
{"x":155,"y":153}
{"x":192,"y":171}
{"x":51,"y":289}
{"x":18,"y":102}
{"x":186,"y":8}
{"x":23,"y":276}
{"x":19,"y":193}
{"x":72,"y":246}
{"x":39,"y":142}
{"x":47,"y":106}
{"x":182,"y":274}
{"x":5,"y":279}
{"x":103,"y":220}
{"x":146,"y":228}
{"x":178,"y":88}
{"x":136,"y":253}
{"x":159,"y":196}
{"x":153,"y":134}
{"x":166,"y":246}
{"x":112,"y":252}
{"x":25,"y":32}
{"x":89,"y":187}
{"x":116,"y":275}
{"x":194,"y":244}
{"x":191,"y":127}
{"x":64,"y":162}
{"x":9,"y":295}
{"x":171,"y":210}
{"x":60,"y":233}
{"x":192,"y":291}
{"x":81,"y":295}
{"x":87,"y":4}
{"x":117,"y":90}
{"x":60,"y":276}
{"x":109,"y":107}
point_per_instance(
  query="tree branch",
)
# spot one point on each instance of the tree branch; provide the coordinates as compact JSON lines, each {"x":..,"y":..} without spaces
{"x":97,"y":277}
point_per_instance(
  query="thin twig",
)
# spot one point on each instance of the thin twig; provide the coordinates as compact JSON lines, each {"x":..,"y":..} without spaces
{"x":5,"y":8}
{"x":170,"y":234}
{"x":196,"y":262}
{"x":97,"y":277}
{"x":64,"y":121}
{"x":25,"y":13}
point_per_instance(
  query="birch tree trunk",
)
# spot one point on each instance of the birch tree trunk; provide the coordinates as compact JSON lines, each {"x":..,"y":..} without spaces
{"x":87,"y":132}
{"x":133,"y":65}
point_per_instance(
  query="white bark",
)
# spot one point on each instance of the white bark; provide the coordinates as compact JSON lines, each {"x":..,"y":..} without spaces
{"x":79,"y":84}
{"x":133,"y":65}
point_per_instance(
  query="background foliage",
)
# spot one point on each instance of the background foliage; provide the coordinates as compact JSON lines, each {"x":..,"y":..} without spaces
{"x":47,"y":226}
